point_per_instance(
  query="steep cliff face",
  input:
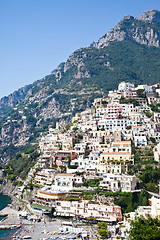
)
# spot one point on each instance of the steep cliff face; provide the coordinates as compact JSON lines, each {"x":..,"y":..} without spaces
{"x":14,"y":97}
{"x":144,"y":30}
{"x":76,"y":60}
{"x":6,"y":103}
{"x":150,"y":16}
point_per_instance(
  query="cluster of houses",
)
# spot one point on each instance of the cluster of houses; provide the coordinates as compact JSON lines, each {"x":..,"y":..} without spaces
{"x":98,"y":145}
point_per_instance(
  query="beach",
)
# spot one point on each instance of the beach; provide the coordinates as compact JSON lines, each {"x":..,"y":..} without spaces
{"x":39,"y":230}
{"x":47,"y":228}
{"x":53,"y":230}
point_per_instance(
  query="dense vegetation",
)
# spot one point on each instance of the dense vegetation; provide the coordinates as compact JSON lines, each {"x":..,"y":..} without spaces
{"x":129,"y":201}
{"x":19,"y":166}
{"x":102,"y":229}
{"x":146,"y":169}
{"x":145,"y":229}
{"x":126,"y":200}
{"x":120,"y":61}
{"x":129,"y":61}
{"x":92,"y":182}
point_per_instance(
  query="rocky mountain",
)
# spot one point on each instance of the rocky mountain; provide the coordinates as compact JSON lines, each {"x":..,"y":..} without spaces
{"x":143,"y":30}
{"x":6,"y":103}
{"x":128,"y":52}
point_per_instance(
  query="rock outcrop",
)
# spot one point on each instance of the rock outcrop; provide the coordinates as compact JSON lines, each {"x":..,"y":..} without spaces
{"x":150,"y":16}
{"x":141,"y":30}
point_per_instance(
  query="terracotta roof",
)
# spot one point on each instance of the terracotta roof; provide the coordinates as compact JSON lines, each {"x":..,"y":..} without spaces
{"x":42,"y":174}
{"x":65,"y":174}
{"x":52,"y":193}
{"x":136,"y":126}
{"x":114,"y":153}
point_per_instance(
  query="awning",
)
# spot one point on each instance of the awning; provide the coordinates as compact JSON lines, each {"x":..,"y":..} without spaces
{"x":106,"y":220}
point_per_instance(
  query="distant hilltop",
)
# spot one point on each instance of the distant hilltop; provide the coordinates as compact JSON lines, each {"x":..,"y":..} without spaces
{"x":143,"y":30}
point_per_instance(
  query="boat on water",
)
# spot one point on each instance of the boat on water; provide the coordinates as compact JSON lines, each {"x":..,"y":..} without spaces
{"x":10,"y":226}
{"x":27,"y":237}
{"x":16,"y":226}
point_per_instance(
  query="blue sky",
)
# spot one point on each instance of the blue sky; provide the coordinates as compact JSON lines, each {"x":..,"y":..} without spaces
{"x":37,"y":35}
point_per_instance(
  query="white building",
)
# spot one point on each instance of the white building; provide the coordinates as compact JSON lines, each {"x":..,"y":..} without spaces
{"x":119,"y":124}
{"x":156,"y":151}
{"x":81,"y":162}
{"x":84,"y":209}
{"x":153,"y":209}
{"x":80,"y":148}
{"x":101,"y":169}
{"x":115,"y":182}
{"x":45,"y":177}
{"x":48,"y":141}
{"x":144,"y":210}
{"x":140,"y":139}
{"x":63,"y":182}
{"x":115,"y":110}
{"x":147,"y":89}
{"x":155,"y":205}
{"x":123,"y":86}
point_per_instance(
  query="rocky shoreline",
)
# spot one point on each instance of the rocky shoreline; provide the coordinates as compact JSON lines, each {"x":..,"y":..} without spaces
{"x":8,"y":189}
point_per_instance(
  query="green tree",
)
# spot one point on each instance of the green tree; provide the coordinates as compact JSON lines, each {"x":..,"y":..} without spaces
{"x":148,"y":114}
{"x":145,"y":229}
{"x":152,"y":139}
{"x":140,"y":93}
{"x":102,"y":229}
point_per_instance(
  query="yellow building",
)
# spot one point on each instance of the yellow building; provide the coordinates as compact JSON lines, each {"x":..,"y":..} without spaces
{"x":115,"y":156}
{"x":44,"y":194}
{"x":121,"y":146}
{"x":44,"y":178}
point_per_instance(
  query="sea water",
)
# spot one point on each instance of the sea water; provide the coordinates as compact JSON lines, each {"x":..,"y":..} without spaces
{"x":5,"y":234}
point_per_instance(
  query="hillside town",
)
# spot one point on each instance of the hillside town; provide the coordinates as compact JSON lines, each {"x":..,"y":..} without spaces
{"x":84,"y":164}
{"x":80,"y":120}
